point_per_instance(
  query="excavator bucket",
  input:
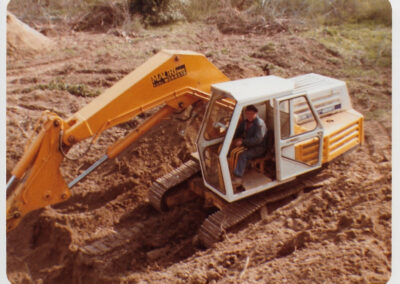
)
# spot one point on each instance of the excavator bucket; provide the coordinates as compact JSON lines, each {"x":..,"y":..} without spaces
{"x":41,"y":181}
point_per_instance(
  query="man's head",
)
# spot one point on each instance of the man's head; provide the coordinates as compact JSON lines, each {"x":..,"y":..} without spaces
{"x":250,"y":112}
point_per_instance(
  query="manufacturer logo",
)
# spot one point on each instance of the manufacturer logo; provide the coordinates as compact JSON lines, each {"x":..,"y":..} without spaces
{"x":168,"y":76}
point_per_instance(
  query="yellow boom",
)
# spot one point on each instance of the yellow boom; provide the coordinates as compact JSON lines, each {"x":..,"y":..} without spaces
{"x":175,"y":79}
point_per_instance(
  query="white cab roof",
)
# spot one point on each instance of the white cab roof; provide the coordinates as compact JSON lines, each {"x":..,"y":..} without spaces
{"x":313,"y":83}
{"x":254,"y":89}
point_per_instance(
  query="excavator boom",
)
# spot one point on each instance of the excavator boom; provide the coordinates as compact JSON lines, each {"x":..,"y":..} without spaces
{"x":175,"y":79}
{"x":164,"y":78}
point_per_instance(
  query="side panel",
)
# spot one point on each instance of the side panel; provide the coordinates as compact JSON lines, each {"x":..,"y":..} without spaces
{"x":342,"y":132}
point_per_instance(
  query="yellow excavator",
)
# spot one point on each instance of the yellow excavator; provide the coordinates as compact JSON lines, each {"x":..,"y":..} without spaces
{"x":309,"y":118}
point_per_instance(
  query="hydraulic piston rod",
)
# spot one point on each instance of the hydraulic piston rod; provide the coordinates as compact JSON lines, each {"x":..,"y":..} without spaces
{"x":88,"y":171}
{"x":124,"y":143}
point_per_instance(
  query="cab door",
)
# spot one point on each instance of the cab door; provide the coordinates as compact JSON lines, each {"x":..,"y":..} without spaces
{"x":298,"y":136}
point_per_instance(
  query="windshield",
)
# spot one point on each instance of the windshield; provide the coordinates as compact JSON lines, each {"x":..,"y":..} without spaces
{"x":219,"y":119}
{"x":216,"y":124}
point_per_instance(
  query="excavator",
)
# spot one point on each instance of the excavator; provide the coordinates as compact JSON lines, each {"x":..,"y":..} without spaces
{"x":310,"y":121}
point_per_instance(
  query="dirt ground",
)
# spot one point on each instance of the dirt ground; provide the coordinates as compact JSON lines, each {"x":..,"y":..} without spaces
{"x":339,"y":233}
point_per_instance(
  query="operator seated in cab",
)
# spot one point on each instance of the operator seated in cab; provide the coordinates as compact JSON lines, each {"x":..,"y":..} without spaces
{"x":252,"y":134}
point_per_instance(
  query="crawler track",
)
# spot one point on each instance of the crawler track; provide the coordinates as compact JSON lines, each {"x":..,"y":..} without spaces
{"x":232,"y":214}
{"x":218,"y":223}
{"x":166,"y":184}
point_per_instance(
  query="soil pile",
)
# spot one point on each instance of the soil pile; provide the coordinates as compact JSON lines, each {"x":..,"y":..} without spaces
{"x":23,"y":40}
{"x":101,"y":18}
{"x":233,"y":21}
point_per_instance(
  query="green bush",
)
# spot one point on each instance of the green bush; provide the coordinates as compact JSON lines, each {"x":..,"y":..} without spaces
{"x":329,"y":11}
{"x":157,"y":12}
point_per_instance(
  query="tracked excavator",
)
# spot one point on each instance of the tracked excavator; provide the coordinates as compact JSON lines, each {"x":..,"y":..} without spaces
{"x":310,"y":122}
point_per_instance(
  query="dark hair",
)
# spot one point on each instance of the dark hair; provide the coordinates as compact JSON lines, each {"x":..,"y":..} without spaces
{"x":251,"y":108}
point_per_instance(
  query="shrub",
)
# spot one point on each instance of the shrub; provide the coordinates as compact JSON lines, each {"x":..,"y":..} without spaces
{"x":102,"y":17}
{"x":157,"y":12}
{"x":197,"y":10}
{"x":329,"y":11}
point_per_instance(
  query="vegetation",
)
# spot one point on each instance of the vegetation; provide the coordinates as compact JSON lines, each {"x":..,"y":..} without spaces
{"x":158,"y":12}
{"x":74,"y":89}
{"x":359,"y":44}
{"x":357,"y":32}
{"x":330,"y":11}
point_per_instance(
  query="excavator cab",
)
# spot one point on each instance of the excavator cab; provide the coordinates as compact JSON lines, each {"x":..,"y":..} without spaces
{"x":281,"y":109}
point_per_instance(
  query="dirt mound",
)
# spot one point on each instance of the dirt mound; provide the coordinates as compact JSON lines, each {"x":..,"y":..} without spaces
{"x":23,"y":40}
{"x":232,"y":21}
{"x":101,"y":18}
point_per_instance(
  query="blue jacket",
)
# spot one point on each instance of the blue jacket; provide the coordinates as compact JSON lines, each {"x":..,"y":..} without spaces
{"x":255,"y":136}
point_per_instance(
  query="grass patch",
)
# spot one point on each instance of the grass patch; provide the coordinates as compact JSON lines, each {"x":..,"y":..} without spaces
{"x":269,"y":47}
{"x":74,"y":89}
{"x":366,"y":52}
{"x":329,"y":11}
{"x":225,"y":51}
{"x":374,"y":103}
{"x":377,"y":115}
{"x":359,"y":44}
{"x":197,"y":10}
